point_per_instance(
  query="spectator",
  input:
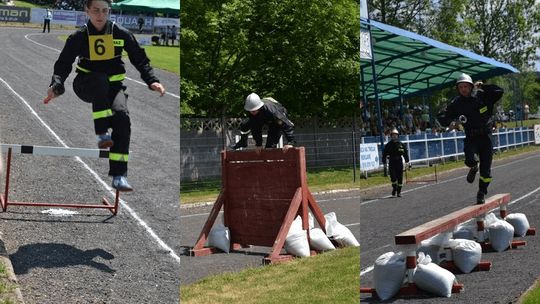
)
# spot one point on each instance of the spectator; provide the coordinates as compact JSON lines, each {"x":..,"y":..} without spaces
{"x":47,"y":21}
{"x":526,"y":112}
{"x":172,"y":34}
{"x":140,"y":23}
{"x":408,"y":121}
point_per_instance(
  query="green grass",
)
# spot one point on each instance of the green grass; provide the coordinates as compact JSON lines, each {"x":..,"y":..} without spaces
{"x":533,"y":296}
{"x":161,"y":57}
{"x":6,"y":287}
{"x":332,"y":277}
{"x":335,"y":178}
{"x":19,"y":3}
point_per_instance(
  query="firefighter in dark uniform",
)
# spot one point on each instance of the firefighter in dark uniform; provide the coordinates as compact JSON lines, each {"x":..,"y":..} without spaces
{"x":266,"y":111}
{"x":100,"y":71}
{"x":395,"y":151}
{"x":474,"y":109}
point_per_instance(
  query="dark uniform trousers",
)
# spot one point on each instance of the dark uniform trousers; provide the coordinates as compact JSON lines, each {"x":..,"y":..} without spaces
{"x":273,"y":136}
{"x":395,"y":166}
{"x":482,"y":146}
{"x":109,"y":108}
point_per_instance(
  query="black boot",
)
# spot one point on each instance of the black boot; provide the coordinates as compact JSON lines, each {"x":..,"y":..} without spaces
{"x":242,"y":143}
{"x":394,"y":190}
{"x":472,"y":174}
{"x":399,"y":191}
{"x":480,"y":197}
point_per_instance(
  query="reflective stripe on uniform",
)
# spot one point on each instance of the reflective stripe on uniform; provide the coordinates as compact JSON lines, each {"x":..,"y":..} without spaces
{"x":399,"y":185}
{"x":118,"y":157}
{"x":485,"y":179}
{"x":394,"y":183}
{"x":117,"y":77}
{"x":83,"y":69}
{"x":482,"y":110}
{"x":102,"y":114}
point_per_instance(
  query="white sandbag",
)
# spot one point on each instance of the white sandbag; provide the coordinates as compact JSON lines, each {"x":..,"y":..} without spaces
{"x":466,"y":254}
{"x":220,"y":238}
{"x":296,"y":226}
{"x":490,"y":218}
{"x":500,"y":234}
{"x":465,"y":230}
{"x":434,"y":245}
{"x":433,"y":278}
{"x":297,"y":244}
{"x":338,"y":232}
{"x":388,"y":274}
{"x":319,"y":241}
{"x":519,"y":222}
{"x":311,"y":221}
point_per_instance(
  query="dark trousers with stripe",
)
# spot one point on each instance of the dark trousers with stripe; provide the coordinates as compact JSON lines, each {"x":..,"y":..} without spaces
{"x":483,"y":147}
{"x":396,"y":172}
{"x":109,"y":111}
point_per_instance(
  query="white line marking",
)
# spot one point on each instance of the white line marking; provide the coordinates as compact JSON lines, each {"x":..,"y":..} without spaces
{"x":197,"y":214}
{"x":58,"y":51}
{"x":96,"y":176}
{"x":370,"y":268}
{"x":353,"y":224}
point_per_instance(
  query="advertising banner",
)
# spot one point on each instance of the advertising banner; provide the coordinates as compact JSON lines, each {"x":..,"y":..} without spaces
{"x":369,"y":157}
{"x":14,"y":14}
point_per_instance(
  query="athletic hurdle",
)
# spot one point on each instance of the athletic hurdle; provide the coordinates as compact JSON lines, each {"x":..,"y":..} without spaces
{"x":410,"y":239}
{"x":409,"y":180}
{"x":53,"y":151}
{"x":261,"y":195}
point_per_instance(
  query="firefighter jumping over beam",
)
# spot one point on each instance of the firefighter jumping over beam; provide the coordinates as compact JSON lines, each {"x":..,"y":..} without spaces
{"x":100,"y":72}
{"x":474,"y":109}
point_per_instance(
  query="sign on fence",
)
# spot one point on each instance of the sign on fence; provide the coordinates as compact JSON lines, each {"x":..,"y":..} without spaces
{"x":14,"y":14}
{"x":537,"y":134}
{"x":369,"y":157}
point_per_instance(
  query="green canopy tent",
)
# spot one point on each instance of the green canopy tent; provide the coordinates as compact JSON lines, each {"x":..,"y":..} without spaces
{"x":150,"y":6}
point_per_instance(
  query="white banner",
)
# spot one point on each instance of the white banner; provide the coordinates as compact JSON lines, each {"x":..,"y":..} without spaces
{"x":365,"y":45}
{"x":537,"y":134}
{"x":163,"y":22}
{"x":369,"y":157}
{"x":363,"y":9}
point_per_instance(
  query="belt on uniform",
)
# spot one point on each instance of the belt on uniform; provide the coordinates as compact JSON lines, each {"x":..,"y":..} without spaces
{"x":116,"y":77}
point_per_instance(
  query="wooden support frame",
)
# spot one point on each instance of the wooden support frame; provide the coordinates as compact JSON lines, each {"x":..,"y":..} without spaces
{"x":261,"y":195}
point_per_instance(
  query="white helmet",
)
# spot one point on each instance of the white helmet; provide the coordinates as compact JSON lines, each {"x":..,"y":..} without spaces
{"x":394,"y":131}
{"x":464,"y":78}
{"x":253,"y":102}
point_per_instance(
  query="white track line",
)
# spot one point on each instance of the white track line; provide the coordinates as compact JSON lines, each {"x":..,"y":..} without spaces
{"x":96,"y":176}
{"x":58,"y":51}
{"x":370,"y":268}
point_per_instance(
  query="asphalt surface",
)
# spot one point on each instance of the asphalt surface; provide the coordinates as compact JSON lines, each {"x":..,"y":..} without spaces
{"x":344,"y":204}
{"x":512,"y":271}
{"x":89,"y":257}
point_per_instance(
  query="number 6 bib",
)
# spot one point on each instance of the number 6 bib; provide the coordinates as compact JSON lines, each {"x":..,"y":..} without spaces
{"x":101,"y":47}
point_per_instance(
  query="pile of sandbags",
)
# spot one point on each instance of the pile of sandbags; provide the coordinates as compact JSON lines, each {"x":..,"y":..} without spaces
{"x":433,"y":278}
{"x":519,"y":222}
{"x":466,"y":230}
{"x":389,"y":273}
{"x":500,"y":232}
{"x":434,"y":247}
{"x":338,"y":232}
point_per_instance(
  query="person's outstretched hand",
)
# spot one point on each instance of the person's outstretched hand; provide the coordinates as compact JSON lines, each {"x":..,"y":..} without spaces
{"x":156,"y":86}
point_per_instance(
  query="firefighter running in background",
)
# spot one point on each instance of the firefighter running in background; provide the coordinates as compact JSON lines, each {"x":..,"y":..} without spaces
{"x":395,"y":151}
{"x":474,"y":109}
{"x":100,"y":71}
{"x":266,"y":111}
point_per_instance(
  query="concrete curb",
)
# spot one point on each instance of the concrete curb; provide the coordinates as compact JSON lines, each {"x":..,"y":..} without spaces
{"x":15,"y":293}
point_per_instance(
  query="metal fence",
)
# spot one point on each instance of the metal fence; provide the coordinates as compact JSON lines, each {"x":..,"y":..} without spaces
{"x":428,"y":147}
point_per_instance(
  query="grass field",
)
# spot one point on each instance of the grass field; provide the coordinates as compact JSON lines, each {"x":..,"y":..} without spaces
{"x":329,"y":179}
{"x":7,"y":295}
{"x":332,"y":277}
{"x":19,"y":3}
{"x":533,"y":296}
